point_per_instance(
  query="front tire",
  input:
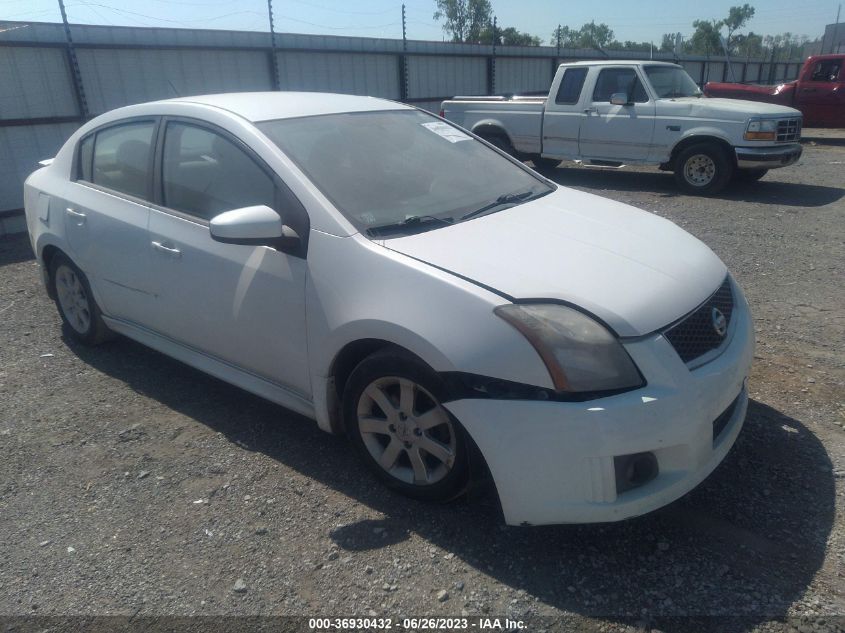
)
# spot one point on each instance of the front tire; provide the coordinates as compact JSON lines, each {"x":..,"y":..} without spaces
{"x":703,"y":169}
{"x":394,"y":418}
{"x":75,"y":302}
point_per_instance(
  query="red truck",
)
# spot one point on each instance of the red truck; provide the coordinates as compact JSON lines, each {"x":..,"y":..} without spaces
{"x":819,"y":91}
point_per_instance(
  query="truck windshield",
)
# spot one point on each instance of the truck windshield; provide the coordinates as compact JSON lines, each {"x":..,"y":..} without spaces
{"x":402,"y":171}
{"x":670,"y":82}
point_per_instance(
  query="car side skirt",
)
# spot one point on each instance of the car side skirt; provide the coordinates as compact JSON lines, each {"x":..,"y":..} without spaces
{"x":216,"y":367}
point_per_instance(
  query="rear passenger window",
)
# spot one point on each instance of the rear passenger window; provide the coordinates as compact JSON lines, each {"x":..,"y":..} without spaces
{"x":570,"y":86}
{"x":205,"y":174}
{"x":83,"y":164}
{"x":613,"y":80}
{"x":122,"y":158}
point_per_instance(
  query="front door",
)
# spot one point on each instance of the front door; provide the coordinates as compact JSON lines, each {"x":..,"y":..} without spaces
{"x":621,"y":133}
{"x":241,"y":304}
{"x":820,"y":95}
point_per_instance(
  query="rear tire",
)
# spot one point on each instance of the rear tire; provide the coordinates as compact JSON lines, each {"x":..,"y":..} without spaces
{"x":75,"y":302}
{"x":501,"y":142}
{"x":393,"y":415}
{"x":703,"y":169}
{"x":749,"y":175}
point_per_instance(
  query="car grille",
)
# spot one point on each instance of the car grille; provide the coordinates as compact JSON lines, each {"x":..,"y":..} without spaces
{"x":696,"y":334}
{"x":789,"y":129}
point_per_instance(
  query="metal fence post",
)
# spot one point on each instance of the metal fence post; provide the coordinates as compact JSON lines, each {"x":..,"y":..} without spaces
{"x":403,"y":62}
{"x":73,"y":62}
{"x":274,"y":62}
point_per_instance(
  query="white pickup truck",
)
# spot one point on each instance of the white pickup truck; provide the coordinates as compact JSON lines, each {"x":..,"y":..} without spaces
{"x":612,"y":113}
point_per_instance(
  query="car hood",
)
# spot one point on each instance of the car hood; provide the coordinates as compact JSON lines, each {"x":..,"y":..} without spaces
{"x":719,"y":108}
{"x":632,"y":269}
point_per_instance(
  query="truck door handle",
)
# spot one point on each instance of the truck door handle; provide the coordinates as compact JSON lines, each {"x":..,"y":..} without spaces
{"x":174,"y":252}
{"x":590,"y":110}
{"x":80,"y":217}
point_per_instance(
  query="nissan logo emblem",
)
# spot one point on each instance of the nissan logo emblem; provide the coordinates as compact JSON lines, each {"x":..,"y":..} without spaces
{"x":720,"y":323}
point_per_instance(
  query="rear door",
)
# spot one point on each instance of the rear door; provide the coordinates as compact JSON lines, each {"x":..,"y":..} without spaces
{"x":564,"y":113}
{"x":241,"y":304}
{"x":106,"y":213}
{"x":618,"y":132}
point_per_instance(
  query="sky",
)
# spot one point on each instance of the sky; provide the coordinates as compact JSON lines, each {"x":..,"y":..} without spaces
{"x":638,"y":20}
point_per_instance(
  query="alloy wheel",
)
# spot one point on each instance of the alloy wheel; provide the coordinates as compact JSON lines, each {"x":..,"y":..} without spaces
{"x":73,"y":299}
{"x":406,"y":431}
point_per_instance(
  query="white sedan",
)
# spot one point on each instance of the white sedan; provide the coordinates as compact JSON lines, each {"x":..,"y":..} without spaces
{"x":390,"y":275}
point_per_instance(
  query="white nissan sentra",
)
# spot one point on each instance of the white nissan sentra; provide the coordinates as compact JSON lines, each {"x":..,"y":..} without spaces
{"x":380,"y":270}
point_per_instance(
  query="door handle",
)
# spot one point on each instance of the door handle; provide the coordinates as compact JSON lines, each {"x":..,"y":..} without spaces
{"x":80,"y":217}
{"x":174,"y":252}
{"x":590,"y":110}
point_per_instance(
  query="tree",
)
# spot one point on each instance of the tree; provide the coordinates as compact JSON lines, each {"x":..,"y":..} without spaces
{"x":510,"y":37}
{"x":464,"y":20}
{"x":705,"y":39}
{"x":737,"y":18}
{"x":567,"y":37}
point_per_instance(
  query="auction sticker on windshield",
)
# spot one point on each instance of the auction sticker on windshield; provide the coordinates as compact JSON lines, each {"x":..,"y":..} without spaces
{"x":451,"y":134}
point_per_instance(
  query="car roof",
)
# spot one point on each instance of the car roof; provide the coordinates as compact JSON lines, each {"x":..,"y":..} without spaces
{"x":617,"y":62}
{"x":265,"y":106}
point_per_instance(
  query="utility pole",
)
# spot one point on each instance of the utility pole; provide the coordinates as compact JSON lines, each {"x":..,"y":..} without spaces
{"x":73,"y":62}
{"x":558,"y":40}
{"x":493,"y":61}
{"x":836,"y":32}
{"x":274,"y":62}
{"x":403,"y":61}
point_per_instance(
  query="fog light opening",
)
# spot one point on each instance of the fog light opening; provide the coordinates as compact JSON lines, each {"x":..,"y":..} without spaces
{"x":635,"y":470}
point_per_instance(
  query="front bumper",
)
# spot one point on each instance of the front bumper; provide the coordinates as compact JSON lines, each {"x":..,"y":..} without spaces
{"x":553,"y":462}
{"x":767,"y":157}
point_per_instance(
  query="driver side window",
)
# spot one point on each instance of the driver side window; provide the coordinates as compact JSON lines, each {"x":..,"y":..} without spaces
{"x":205,"y":174}
{"x":614,"y":80}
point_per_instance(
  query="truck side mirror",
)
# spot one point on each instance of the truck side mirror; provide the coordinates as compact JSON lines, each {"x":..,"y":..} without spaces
{"x":619,"y":98}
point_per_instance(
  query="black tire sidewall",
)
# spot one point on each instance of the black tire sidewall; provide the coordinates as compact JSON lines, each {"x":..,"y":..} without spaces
{"x":96,"y":329}
{"x":724,"y":168}
{"x":403,"y":365}
{"x":501,"y":142}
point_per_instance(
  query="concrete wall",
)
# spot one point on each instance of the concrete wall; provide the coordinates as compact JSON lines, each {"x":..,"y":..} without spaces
{"x":41,"y":104}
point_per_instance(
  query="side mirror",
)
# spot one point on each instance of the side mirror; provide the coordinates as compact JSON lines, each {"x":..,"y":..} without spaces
{"x":255,"y":226}
{"x":619,"y":98}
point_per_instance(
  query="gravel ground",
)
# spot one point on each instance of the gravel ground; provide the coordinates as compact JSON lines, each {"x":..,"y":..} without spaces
{"x":131,"y":485}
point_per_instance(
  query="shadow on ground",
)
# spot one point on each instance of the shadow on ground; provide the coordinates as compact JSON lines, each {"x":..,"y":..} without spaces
{"x":767,"y":191}
{"x":745,"y":543}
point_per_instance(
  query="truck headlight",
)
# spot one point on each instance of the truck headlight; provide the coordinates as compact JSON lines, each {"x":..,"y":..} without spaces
{"x":580,"y":353}
{"x":761,"y":130}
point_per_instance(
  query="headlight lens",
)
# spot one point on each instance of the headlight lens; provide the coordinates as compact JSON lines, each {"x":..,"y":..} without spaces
{"x":580,"y":354}
{"x":761,"y":130}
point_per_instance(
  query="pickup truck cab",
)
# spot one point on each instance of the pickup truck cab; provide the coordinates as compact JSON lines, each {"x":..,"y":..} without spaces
{"x":612,"y":113}
{"x":819,"y":91}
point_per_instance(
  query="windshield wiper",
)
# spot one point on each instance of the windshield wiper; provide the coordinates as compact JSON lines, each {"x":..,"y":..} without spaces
{"x":413,"y":221}
{"x":505,"y":199}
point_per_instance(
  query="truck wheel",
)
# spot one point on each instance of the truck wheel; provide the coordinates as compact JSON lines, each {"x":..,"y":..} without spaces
{"x":500,"y":141}
{"x":749,"y":175}
{"x":703,"y":169}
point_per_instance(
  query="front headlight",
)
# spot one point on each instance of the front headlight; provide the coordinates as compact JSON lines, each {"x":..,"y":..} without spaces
{"x":761,"y":130}
{"x":580,"y":354}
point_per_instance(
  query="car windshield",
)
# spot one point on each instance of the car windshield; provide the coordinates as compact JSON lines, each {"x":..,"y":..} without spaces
{"x":402,"y":171}
{"x":670,"y":82}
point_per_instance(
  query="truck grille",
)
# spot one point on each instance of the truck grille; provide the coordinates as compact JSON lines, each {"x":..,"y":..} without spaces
{"x":696,"y":334}
{"x":789,"y":130}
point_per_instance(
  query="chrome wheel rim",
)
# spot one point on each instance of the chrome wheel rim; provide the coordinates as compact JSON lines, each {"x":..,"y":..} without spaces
{"x":73,"y":299}
{"x":699,"y":170}
{"x":406,"y":431}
